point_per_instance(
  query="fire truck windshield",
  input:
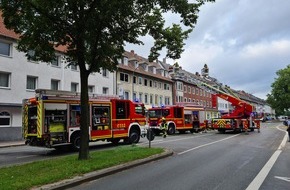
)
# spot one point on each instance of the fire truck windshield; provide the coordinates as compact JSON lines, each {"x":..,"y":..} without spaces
{"x":158,"y":113}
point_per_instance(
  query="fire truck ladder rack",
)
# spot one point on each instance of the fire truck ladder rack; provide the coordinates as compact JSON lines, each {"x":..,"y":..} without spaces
{"x":68,"y":94}
{"x":212,"y":89}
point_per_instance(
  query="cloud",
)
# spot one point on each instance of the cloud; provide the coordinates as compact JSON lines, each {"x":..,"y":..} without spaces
{"x":243,"y":42}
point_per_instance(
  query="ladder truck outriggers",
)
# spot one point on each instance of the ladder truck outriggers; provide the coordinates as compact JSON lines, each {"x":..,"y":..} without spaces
{"x":182,"y":117}
{"x":242,"y":118}
{"x":52,"y":119}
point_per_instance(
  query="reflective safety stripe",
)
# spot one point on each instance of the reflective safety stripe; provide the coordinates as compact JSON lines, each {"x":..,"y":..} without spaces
{"x":221,"y":123}
{"x":39,"y":118}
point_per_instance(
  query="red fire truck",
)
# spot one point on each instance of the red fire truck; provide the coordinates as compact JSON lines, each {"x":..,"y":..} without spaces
{"x":240,"y":119}
{"x":179,"y":118}
{"x":52,"y":119}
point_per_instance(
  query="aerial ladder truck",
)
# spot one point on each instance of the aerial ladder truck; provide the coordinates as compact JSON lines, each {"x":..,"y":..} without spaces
{"x":242,"y":118}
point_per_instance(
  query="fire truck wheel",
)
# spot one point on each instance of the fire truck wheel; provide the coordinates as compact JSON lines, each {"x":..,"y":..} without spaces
{"x":171,"y":129}
{"x":134,"y":136}
{"x":76,"y":142}
{"x":223,"y":131}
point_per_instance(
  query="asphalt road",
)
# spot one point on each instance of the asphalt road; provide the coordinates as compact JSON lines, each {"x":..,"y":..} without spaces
{"x":200,"y":161}
{"x":210,"y":161}
{"x":25,"y":154}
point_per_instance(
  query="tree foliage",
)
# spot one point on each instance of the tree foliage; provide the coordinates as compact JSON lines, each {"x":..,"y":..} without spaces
{"x":279,"y":98}
{"x":94,"y":33}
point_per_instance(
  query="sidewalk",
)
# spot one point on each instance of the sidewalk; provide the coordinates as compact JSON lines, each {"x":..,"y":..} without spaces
{"x":4,"y":144}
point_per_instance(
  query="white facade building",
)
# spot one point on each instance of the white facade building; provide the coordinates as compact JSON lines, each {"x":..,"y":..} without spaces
{"x":19,"y":77}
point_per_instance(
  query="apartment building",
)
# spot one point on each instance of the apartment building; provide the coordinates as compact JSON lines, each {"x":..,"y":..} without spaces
{"x":144,"y":81}
{"x":186,"y":90}
{"x":19,"y":77}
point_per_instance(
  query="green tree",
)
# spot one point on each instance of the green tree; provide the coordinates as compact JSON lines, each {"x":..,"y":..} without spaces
{"x":95,"y":32}
{"x":279,"y":98}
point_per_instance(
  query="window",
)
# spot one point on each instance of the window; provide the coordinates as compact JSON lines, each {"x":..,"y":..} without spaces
{"x":5,"y":48}
{"x":55,"y":61}
{"x":4,"y":80}
{"x":139,"y":109}
{"x":146,"y":98}
{"x":105,"y":90}
{"x":134,"y":79}
{"x":140,"y":97}
{"x":156,"y":99}
{"x":30,"y":55}
{"x":150,"y":83}
{"x":4,"y":119}
{"x":124,"y":77}
{"x":74,"y":87}
{"x":91,"y":89}
{"x":121,"y":111}
{"x":140,"y":80}
{"x":54,"y":84}
{"x":167,"y":100}
{"x":145,"y":82}
{"x":136,"y":64}
{"x":125,"y":60}
{"x":151,"y":98}
{"x":31,"y":83}
{"x":166,"y":86}
{"x":189,"y":90}
{"x":126,"y":95}
{"x":105,"y":73}
{"x":179,"y":86}
{"x":74,"y":66}
{"x":134,"y":96}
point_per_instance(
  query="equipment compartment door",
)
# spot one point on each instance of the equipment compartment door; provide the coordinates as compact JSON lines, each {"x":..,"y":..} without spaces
{"x":101,"y":122}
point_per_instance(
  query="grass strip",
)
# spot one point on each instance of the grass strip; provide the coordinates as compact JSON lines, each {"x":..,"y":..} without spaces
{"x":49,"y":171}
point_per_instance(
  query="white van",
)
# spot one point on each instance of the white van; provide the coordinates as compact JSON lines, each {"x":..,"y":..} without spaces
{"x":282,"y":118}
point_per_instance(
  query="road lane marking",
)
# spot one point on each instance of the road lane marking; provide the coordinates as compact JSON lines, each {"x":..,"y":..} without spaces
{"x":207,"y":144}
{"x":173,"y":140}
{"x":181,"y":139}
{"x":259,"y":179}
{"x":283,"y":178}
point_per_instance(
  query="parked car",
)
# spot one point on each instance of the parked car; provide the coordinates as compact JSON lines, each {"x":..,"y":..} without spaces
{"x":282,"y":118}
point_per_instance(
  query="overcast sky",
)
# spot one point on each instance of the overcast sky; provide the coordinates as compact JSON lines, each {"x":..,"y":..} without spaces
{"x":243,"y":42}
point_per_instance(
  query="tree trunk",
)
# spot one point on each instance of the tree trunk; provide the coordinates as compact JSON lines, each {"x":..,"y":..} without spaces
{"x":85,"y":115}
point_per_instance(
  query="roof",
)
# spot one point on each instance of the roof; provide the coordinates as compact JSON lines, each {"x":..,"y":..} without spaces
{"x":13,"y":35}
{"x":5,"y":32}
{"x":132,"y":56}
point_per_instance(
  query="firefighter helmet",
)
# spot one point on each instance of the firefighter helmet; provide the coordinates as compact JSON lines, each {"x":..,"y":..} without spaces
{"x":163,"y":119}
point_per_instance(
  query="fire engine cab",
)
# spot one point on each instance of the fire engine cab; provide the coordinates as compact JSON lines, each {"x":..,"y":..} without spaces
{"x":179,"y":118}
{"x":52,"y":119}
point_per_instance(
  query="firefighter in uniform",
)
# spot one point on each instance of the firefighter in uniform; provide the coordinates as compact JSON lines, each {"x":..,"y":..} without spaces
{"x":164,"y":127}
